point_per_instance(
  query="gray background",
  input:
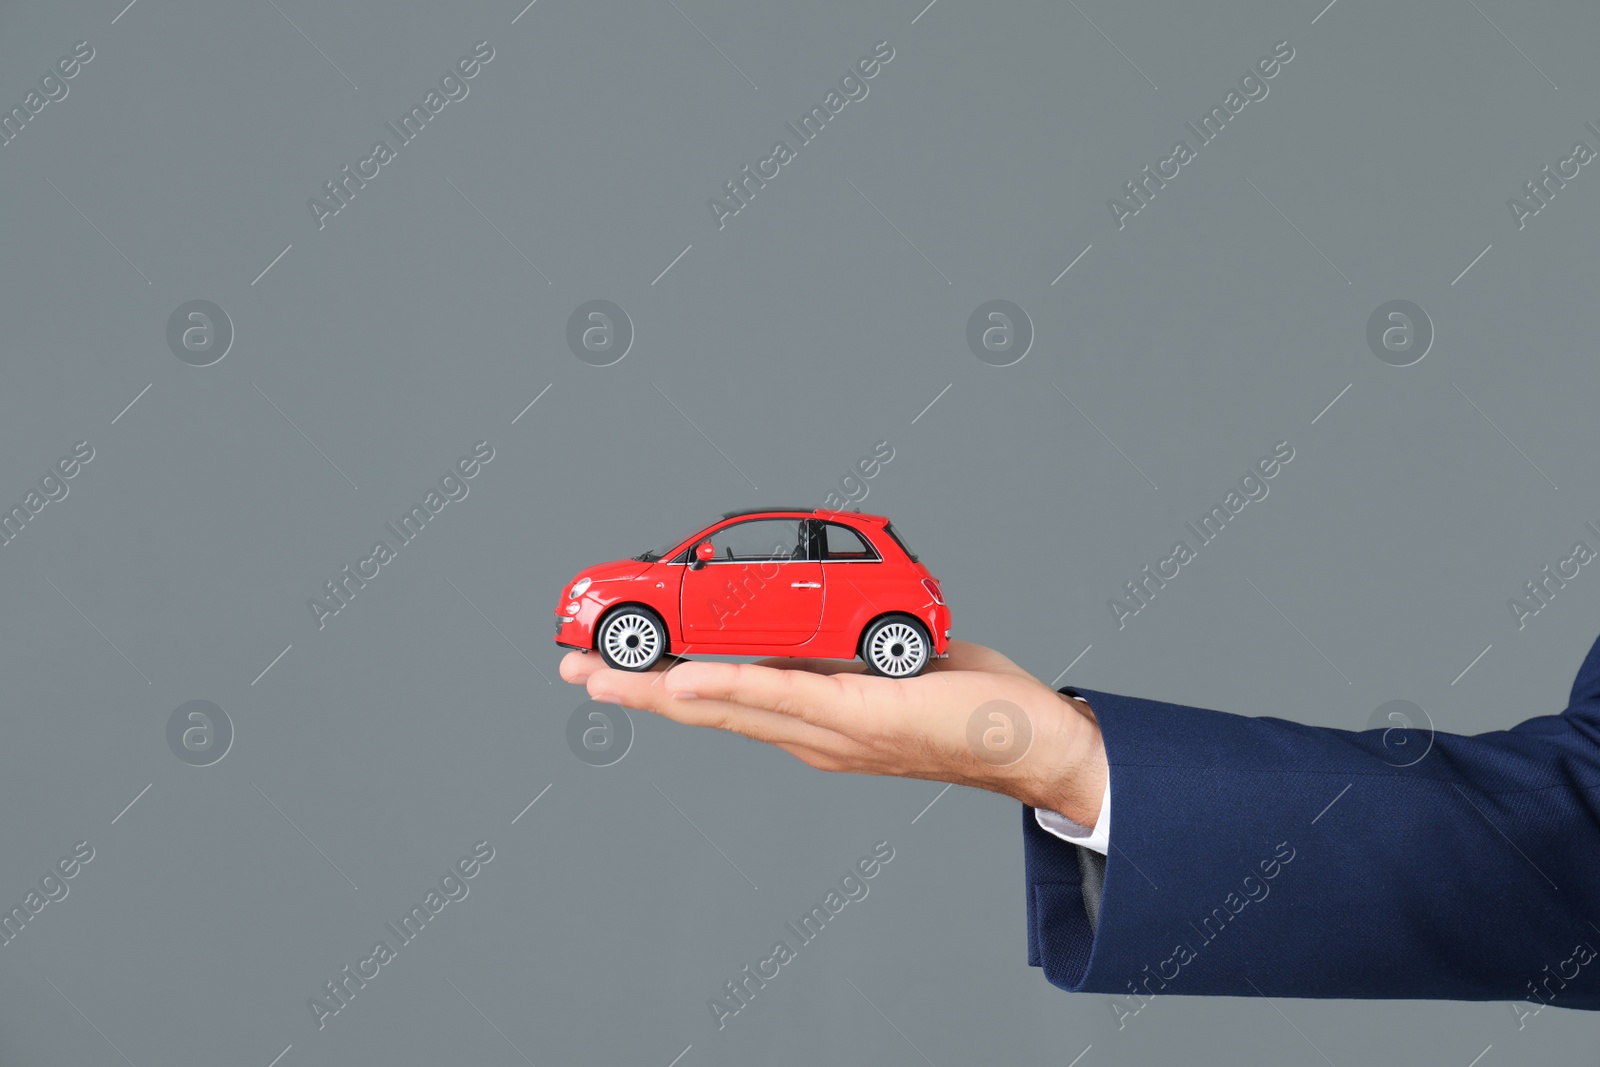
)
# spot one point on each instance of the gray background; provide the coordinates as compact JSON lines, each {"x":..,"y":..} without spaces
{"x":825,"y":317}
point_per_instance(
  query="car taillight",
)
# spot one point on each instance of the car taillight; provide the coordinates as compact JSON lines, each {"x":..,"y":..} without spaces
{"x":932,"y":586}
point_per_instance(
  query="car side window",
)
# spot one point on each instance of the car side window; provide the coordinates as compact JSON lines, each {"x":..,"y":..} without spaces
{"x":760,"y":540}
{"x":842,"y":543}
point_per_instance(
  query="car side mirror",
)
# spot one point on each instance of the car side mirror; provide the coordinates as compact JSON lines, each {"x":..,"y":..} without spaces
{"x":704,"y":552}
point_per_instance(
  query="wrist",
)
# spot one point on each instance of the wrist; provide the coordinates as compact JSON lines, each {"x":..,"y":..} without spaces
{"x":1066,"y":769}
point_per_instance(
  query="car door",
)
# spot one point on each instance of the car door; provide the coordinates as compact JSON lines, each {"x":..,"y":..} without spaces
{"x":853,"y":578}
{"x":762,"y":587}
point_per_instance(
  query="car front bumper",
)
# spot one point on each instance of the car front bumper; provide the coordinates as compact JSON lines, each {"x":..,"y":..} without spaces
{"x":572,"y":633}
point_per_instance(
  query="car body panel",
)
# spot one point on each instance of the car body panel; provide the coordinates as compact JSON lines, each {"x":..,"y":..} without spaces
{"x":771,"y":602}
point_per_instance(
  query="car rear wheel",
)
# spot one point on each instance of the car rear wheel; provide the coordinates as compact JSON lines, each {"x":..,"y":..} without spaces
{"x":632,"y":639}
{"x":896,"y":646}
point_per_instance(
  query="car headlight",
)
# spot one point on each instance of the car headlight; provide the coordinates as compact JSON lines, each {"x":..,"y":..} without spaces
{"x":580,"y":587}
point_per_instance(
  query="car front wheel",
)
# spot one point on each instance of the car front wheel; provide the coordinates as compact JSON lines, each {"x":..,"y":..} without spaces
{"x":632,"y":639}
{"x":896,"y":647}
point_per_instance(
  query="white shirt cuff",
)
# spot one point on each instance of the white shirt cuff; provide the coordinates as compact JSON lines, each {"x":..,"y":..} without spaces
{"x":1097,"y":839}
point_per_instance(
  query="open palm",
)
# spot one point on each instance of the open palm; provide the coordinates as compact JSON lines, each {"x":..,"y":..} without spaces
{"x":974,"y":718}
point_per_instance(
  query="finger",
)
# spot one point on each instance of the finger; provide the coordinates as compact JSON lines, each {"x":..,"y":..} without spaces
{"x":811,"y":757}
{"x":815,"y":666}
{"x":843,"y":702}
{"x":576,"y":667}
{"x":579,"y":666}
{"x":967,"y":656}
{"x":641,"y":691}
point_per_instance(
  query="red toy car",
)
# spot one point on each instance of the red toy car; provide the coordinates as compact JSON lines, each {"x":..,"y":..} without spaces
{"x":769,"y":582}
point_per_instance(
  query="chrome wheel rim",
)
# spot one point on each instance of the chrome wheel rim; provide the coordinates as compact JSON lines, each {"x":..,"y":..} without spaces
{"x":897,"y":650}
{"x":631,"y":640}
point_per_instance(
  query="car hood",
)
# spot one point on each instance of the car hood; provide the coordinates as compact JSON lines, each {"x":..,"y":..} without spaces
{"x":618,"y":570}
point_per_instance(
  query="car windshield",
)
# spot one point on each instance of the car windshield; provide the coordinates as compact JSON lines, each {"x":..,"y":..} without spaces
{"x":662,"y":549}
{"x":889,"y":529}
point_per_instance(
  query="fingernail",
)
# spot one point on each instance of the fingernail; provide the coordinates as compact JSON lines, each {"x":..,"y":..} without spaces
{"x":686,"y":695}
{"x":606,"y":698}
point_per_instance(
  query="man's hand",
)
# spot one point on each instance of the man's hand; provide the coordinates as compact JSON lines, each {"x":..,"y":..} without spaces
{"x":974,"y":718}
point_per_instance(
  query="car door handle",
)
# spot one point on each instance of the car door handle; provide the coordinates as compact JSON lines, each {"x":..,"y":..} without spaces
{"x":805,"y":585}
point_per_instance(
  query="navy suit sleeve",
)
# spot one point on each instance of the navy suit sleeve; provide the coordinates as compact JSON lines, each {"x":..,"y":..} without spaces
{"x":1258,"y":856}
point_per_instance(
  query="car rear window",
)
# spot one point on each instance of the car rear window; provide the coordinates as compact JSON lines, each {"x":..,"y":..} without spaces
{"x":843,"y":543}
{"x":895,"y":534}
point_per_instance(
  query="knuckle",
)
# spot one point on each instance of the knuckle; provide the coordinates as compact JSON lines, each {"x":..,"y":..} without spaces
{"x":767,"y":687}
{"x":790,"y":696}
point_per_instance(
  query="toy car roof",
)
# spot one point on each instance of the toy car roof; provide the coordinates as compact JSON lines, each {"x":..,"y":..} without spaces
{"x":857,"y":514}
